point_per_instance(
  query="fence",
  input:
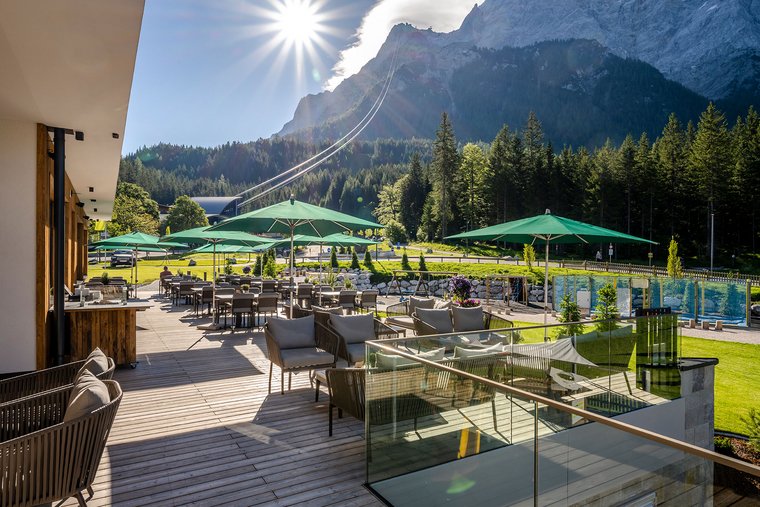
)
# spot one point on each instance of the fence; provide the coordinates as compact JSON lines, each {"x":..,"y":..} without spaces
{"x":703,"y":300}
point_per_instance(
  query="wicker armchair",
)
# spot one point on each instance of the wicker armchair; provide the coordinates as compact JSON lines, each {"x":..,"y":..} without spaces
{"x":490,"y":321}
{"x":42,"y":458}
{"x":298,"y":345}
{"x":43,"y":380}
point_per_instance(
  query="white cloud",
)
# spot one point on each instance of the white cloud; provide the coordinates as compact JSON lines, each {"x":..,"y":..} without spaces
{"x":440,"y":15}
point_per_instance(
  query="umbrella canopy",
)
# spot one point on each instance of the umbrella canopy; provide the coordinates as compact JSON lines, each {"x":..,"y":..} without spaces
{"x":225,"y":248}
{"x":293,"y":217}
{"x":337,"y":239}
{"x":204,"y":234}
{"x":545,"y":229}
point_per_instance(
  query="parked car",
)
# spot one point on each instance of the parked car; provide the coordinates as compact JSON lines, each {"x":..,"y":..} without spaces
{"x":123,"y":258}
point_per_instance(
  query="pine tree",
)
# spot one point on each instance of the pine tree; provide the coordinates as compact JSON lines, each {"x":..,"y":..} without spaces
{"x":472,"y":177}
{"x":423,"y":266}
{"x":710,"y":161}
{"x":368,"y":260}
{"x":606,"y":307}
{"x":444,"y":166}
{"x":413,"y":189}
{"x":334,"y":258}
{"x":671,"y":164}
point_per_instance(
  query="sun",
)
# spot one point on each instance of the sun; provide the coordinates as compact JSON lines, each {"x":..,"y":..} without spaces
{"x":298,"y":22}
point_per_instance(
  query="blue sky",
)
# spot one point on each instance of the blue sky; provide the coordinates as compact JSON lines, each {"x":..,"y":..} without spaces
{"x":209,"y":72}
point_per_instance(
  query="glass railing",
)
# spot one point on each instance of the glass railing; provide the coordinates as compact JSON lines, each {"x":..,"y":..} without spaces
{"x":488,"y":418}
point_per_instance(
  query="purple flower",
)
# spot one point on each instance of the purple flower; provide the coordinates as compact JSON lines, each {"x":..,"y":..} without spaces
{"x":460,"y":288}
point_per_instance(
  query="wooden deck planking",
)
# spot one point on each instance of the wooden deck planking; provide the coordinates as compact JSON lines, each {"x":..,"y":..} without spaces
{"x":197,"y":427}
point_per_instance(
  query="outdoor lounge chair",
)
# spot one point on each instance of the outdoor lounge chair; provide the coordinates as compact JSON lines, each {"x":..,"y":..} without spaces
{"x":400,"y":314}
{"x":368,"y":300}
{"x":49,"y":454}
{"x":39,"y":381}
{"x":464,"y":320}
{"x":347,"y":387}
{"x":298,"y":345}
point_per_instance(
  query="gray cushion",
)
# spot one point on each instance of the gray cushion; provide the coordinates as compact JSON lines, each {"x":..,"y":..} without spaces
{"x":292,"y":333}
{"x":88,"y":393}
{"x":467,"y":319}
{"x":400,"y":321}
{"x":391,"y":361}
{"x":304,"y":357}
{"x":440,"y":320}
{"x":356,"y":352}
{"x":354,"y":328}
{"x":415,"y":303}
{"x":467,"y":353}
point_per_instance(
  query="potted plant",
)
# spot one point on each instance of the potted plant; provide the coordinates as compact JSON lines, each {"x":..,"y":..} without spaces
{"x":247,"y":270}
{"x":245,"y":288}
{"x":104,"y":278}
{"x":460,"y":288}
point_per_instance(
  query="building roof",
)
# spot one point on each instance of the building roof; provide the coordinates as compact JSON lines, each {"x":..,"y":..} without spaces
{"x":214,"y":205}
{"x":70,"y":65}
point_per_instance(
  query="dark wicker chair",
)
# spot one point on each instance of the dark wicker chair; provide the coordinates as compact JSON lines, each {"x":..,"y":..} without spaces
{"x":347,"y":352}
{"x":318,"y":354}
{"x":42,"y":458}
{"x":39,"y":381}
{"x":490,"y":321}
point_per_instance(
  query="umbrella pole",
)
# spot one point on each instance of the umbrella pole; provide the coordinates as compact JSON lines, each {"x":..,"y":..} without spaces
{"x":546,"y":289}
{"x":292,"y":255}
{"x":135,"y":284}
{"x":320,"y":273}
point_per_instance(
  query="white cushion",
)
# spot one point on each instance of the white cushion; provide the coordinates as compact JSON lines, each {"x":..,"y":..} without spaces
{"x":354,"y":328}
{"x":292,"y":333}
{"x":467,"y":319}
{"x":400,"y":321}
{"x":440,"y":320}
{"x":304,"y":357}
{"x":88,"y":393}
{"x":391,"y":361}
{"x":460,"y":352}
{"x":440,"y":304}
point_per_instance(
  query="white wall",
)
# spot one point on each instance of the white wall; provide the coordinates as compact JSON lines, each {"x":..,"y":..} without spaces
{"x":18,"y":151}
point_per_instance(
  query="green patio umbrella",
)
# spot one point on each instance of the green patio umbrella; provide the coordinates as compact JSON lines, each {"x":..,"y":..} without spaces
{"x":137,"y":241}
{"x":293,"y":217}
{"x":545,"y":229}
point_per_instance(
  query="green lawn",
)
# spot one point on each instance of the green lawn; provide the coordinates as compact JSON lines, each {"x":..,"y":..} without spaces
{"x":737,"y":383}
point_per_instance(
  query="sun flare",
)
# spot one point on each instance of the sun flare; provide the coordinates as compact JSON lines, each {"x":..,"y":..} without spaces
{"x":297,"y":22}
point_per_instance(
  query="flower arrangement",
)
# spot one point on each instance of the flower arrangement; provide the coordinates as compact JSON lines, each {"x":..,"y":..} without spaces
{"x":460,"y":288}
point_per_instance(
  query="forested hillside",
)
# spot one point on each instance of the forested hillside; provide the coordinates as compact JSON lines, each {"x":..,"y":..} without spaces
{"x":659,"y":188}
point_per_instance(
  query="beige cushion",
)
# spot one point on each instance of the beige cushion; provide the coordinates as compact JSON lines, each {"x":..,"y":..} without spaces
{"x":415,"y":302}
{"x":354,"y":328}
{"x":467,"y":319}
{"x":88,"y":393}
{"x":440,"y":320}
{"x":97,"y":362}
{"x":304,"y":357}
{"x":292,"y":333}
{"x":460,"y":352}
{"x":391,"y":361}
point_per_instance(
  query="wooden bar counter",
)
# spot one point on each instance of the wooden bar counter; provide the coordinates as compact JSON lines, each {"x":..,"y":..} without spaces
{"x":112,"y":327}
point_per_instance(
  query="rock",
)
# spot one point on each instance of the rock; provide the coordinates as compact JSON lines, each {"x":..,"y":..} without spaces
{"x":438,"y":293}
{"x":671,"y":302}
{"x":382,"y":285}
{"x":755,"y":309}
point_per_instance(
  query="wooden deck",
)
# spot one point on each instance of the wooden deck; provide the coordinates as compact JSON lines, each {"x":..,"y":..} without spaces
{"x":196,"y":427}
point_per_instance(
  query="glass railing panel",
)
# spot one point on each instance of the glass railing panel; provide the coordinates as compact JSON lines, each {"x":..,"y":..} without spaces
{"x":426,"y":425}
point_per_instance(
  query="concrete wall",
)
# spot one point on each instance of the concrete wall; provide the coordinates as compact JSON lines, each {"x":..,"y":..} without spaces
{"x":18,"y":149}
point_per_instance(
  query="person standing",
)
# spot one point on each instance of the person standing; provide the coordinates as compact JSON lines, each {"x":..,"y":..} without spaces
{"x":598,"y":256}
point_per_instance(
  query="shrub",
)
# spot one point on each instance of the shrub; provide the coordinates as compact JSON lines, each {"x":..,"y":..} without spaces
{"x":723,"y":445}
{"x":334,"y":259}
{"x":104,"y":278}
{"x":752,"y":422}
{"x":270,"y":268}
{"x":348,"y":283}
{"x":228,"y":267}
{"x":529,"y":255}
{"x":607,"y":307}
{"x":423,"y":266}
{"x":675,"y":269}
{"x":368,"y":259}
{"x":257,"y":266}
{"x":569,"y":312}
{"x":354,"y":261}
{"x":247,"y":270}
{"x":405,"y":262}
